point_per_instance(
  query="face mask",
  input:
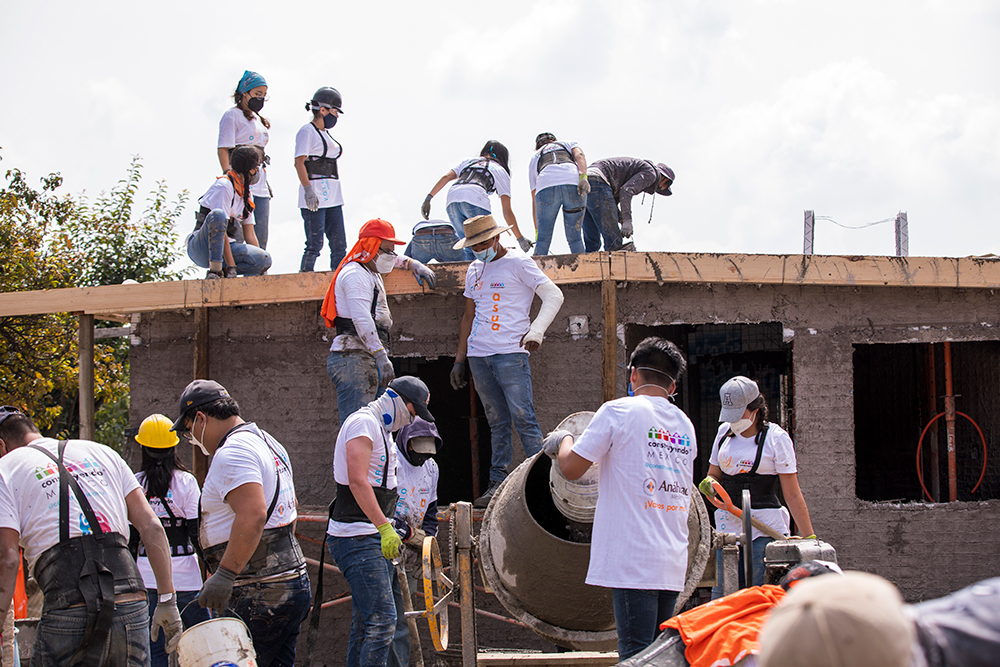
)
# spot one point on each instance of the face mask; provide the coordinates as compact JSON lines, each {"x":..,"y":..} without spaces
{"x":255,"y":104}
{"x":487,"y":255}
{"x":740,"y":426}
{"x":418,"y":459}
{"x":255,"y":177}
{"x":329,"y":120}
{"x":384,"y":263}
{"x":199,"y":441}
{"x":391,"y":410}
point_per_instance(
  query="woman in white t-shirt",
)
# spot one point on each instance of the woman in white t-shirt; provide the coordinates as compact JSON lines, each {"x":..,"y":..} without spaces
{"x":243,"y":125}
{"x":475,"y":180}
{"x":173,"y":494}
{"x":320,"y":200}
{"x":750,"y":452}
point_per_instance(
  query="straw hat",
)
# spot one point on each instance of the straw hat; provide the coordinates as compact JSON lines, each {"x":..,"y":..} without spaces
{"x":478,"y":229}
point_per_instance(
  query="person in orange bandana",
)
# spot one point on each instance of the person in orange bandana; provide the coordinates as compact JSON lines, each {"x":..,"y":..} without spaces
{"x":223,"y":240}
{"x":356,"y":306}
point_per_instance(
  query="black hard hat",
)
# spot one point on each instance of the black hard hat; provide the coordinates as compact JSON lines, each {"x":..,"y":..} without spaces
{"x":328,"y":96}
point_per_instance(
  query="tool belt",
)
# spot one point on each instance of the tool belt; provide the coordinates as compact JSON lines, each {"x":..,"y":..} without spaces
{"x":233,"y":228}
{"x":478,"y":173}
{"x":346,"y":509}
{"x":762,"y":495}
{"x":345,"y":325}
{"x":561,"y":155}
{"x":278,"y":551}
{"x":86,"y":570}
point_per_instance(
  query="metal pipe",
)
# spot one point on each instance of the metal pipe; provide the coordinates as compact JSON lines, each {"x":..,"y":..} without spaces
{"x":949,"y":417}
{"x":489,"y":614}
{"x":334,"y":603}
{"x":315,"y":563}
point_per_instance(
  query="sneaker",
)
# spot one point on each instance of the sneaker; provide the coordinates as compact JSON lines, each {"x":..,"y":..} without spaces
{"x":213,"y":275}
{"x":484,"y":500}
{"x":229,"y":272}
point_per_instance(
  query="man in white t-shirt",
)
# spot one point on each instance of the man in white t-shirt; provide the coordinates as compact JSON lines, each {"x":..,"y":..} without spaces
{"x":496,"y":336}
{"x":645,"y":447}
{"x":248,"y":512}
{"x":68,"y":504}
{"x":360,"y":535}
{"x":557,"y":174}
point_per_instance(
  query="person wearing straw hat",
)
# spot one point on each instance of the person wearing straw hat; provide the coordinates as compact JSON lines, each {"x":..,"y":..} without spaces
{"x":356,"y":307}
{"x":68,"y":504}
{"x":496,"y":337}
{"x":173,"y":494}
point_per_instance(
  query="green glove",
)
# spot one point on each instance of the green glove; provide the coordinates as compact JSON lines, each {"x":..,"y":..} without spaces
{"x":705,"y":486}
{"x":390,"y":540}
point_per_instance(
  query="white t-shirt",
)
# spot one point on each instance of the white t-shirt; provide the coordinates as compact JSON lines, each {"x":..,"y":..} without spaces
{"x":473,"y":194}
{"x":363,"y":423}
{"x":737,"y":456}
{"x":235,"y":130}
{"x":564,"y":173}
{"x":222,"y":195}
{"x":353,"y":291}
{"x":645,"y":447}
{"x":29,"y":492}
{"x":503,"y":290}
{"x":309,"y":142}
{"x":245,"y":458}
{"x":417,"y":486}
{"x":182,"y":497}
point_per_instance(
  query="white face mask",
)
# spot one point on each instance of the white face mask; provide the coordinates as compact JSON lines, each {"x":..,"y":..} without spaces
{"x":199,"y":441}
{"x":384,"y":263}
{"x":392,"y":411}
{"x":740,"y":426}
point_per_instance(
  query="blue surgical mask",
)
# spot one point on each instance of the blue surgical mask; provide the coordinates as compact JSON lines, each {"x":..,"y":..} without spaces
{"x":487,"y":255}
{"x":630,"y":391}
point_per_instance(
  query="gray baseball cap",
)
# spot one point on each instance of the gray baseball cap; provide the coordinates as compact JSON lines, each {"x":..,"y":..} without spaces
{"x":736,"y":395}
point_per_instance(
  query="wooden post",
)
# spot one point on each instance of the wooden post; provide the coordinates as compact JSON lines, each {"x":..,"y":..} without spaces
{"x":201,"y":318}
{"x":609,"y":333}
{"x":86,"y":351}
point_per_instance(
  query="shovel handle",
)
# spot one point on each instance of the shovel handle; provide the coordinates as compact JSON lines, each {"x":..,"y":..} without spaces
{"x":724,"y":502}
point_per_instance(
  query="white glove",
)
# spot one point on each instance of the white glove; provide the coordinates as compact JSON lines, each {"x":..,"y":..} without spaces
{"x":550,"y":445}
{"x":167,"y":616}
{"x":312,"y":201}
{"x":385,"y":372}
{"x":422,"y":273}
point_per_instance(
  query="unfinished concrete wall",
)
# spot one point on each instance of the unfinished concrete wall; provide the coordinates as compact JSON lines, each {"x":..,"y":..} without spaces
{"x":272,"y":359}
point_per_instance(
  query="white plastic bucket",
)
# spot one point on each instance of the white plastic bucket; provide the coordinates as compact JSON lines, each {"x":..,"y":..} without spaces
{"x":219,"y":642}
{"x":577,"y":499}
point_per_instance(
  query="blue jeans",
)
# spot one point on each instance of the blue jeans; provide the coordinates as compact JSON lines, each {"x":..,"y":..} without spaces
{"x":503,"y":382}
{"x":601,"y":218}
{"x":759,"y":546}
{"x":373,"y":611}
{"x":399,"y":649}
{"x":60,"y":633}
{"x":261,"y":219}
{"x":327,"y":222}
{"x":191,"y":614}
{"x":273,"y":613}
{"x":207,"y":244}
{"x":638,"y":614}
{"x":356,"y":377}
{"x":435,"y":243}
{"x":458,"y":213}
{"x":547,"y":204}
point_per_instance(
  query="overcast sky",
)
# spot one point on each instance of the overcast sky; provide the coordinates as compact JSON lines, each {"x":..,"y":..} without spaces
{"x":763,"y":108}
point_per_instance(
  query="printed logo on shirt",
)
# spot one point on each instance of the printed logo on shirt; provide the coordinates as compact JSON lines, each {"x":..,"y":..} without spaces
{"x":496,"y":285}
{"x":495,"y":317}
{"x":651,"y":486}
{"x":665,"y":436}
{"x":101,"y":520}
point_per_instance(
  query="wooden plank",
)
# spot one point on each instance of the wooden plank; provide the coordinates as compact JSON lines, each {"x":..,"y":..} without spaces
{"x":571,"y":658}
{"x":86,"y":377}
{"x":609,"y":341}
{"x":823,"y":270}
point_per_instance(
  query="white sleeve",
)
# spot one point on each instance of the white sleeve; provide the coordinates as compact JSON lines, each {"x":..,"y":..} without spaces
{"x":783,"y":452}
{"x":8,"y":508}
{"x":303,"y":141}
{"x":597,"y":438}
{"x":713,"y":458}
{"x":358,"y":295}
{"x":501,"y":179}
{"x":533,"y":171}
{"x":227,"y":131}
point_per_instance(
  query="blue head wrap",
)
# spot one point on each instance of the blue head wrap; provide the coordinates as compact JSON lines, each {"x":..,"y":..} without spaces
{"x":250,"y":81}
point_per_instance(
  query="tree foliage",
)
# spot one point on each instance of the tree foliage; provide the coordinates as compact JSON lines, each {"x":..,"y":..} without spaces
{"x":49,"y":241}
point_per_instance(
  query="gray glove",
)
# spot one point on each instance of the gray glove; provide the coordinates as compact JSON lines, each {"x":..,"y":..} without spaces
{"x":167,"y":616}
{"x":425,"y":208}
{"x":217,"y":590}
{"x":312,"y":201}
{"x":626,"y":227}
{"x":422,"y":273}
{"x":457,"y":375}
{"x":525,"y":244}
{"x":385,"y":372}
{"x":583,"y":187}
{"x":550,"y":445}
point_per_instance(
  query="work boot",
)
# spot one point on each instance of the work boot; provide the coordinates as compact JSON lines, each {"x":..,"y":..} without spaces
{"x":213,"y":275}
{"x":484,"y":500}
{"x":230,"y":272}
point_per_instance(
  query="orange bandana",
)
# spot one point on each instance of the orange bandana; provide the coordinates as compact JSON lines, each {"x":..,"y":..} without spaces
{"x":363,"y":252}
{"x":237,"y":181}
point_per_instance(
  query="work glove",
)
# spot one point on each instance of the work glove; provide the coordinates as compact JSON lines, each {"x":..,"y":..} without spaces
{"x":583,"y":187}
{"x":402,"y":528}
{"x":385,"y":372}
{"x":626,"y":227}
{"x":167,"y":616}
{"x":705,"y":486}
{"x":425,"y":208}
{"x":550,"y":445}
{"x":390,"y":541}
{"x":525,"y":244}
{"x":422,"y":273}
{"x":312,"y":201}
{"x":416,"y":538}
{"x":457,"y":375}
{"x":217,"y":590}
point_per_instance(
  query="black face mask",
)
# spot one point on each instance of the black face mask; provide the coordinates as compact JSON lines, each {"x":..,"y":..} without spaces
{"x":329,"y":120}
{"x":255,"y":104}
{"x":419,"y":459}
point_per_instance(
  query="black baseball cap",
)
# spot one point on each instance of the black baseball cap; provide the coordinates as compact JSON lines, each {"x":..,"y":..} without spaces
{"x":195,"y":395}
{"x":414,"y":390}
{"x":7,"y":411}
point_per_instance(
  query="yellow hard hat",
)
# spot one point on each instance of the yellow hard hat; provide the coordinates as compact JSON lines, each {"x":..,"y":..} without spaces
{"x":155,"y":433}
